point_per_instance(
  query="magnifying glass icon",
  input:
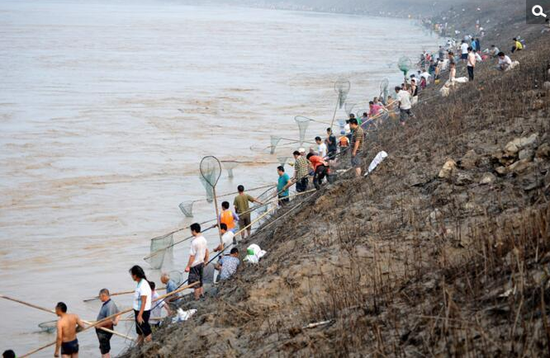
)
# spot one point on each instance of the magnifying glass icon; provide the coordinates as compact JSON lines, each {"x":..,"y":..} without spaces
{"x":538,"y":11}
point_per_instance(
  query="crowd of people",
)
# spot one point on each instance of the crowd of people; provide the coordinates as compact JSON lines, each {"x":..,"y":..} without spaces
{"x":313,"y":166}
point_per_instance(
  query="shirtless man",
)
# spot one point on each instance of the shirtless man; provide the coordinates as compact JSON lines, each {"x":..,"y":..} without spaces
{"x":66,"y":332}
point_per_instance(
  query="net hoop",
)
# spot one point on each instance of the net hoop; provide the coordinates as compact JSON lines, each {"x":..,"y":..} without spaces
{"x":186,"y":208}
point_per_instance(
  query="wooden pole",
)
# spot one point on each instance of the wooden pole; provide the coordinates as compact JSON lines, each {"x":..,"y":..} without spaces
{"x":335,"y":109}
{"x":110,"y":318}
{"x":118,"y":294}
{"x":52,"y":311}
{"x":217,"y":214}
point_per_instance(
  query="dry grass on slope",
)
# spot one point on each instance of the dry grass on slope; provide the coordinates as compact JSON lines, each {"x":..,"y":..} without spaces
{"x":405,"y":262}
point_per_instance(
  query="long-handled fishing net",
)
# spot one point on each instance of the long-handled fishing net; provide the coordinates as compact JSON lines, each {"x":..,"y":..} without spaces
{"x":384,"y":90}
{"x":229,"y":165}
{"x":186,"y":208}
{"x":48,"y":327}
{"x":208,"y":188}
{"x":176,"y":276}
{"x":303,"y":123}
{"x":404,"y":64}
{"x":274,"y":141}
{"x":211,"y":170}
{"x":341,"y":87}
{"x":282,"y":160}
{"x":265,"y":198}
{"x":160,"y":247}
{"x":349,"y":108}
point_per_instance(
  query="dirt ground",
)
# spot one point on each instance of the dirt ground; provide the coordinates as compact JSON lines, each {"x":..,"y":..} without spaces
{"x":442,"y":251}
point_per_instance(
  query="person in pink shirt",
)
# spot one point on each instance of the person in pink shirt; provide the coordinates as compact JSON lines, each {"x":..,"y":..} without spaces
{"x":374,"y":109}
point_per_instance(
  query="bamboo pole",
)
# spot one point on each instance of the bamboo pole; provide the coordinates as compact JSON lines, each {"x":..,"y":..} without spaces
{"x":217,"y":214}
{"x":52,"y":311}
{"x":335,"y":110}
{"x":190,"y":237}
{"x":118,"y":294}
{"x":109,"y":318}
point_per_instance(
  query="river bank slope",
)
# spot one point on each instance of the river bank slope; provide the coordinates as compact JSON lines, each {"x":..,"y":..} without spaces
{"x":443,"y":250}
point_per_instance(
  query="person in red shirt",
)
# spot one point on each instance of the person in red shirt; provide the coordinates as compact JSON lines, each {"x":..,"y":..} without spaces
{"x":320,"y":168}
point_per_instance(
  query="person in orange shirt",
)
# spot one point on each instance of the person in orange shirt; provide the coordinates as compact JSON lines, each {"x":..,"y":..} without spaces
{"x":343,"y":143}
{"x":320,"y":167}
{"x":228,"y":217}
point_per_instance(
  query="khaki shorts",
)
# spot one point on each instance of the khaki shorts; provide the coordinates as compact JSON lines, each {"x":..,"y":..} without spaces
{"x":244,"y":221}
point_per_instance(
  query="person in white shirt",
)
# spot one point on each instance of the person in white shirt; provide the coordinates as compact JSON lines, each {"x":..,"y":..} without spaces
{"x":142,"y":304}
{"x":504,"y":62}
{"x":227,"y":239}
{"x":494,"y":51}
{"x":464,"y":51}
{"x":404,"y":100}
{"x":321,"y":147}
{"x":471,"y":63}
{"x":198,"y":256}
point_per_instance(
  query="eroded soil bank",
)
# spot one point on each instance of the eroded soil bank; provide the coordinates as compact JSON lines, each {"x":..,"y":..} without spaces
{"x":442,"y":251}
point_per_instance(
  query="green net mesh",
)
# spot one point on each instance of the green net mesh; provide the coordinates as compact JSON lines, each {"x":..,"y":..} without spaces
{"x":303,"y":123}
{"x":209,"y":189}
{"x":160,"y":249}
{"x":342,"y":87}
{"x":229,"y":166}
{"x":404,"y":64}
{"x":186,"y":208}
{"x":211,"y":170}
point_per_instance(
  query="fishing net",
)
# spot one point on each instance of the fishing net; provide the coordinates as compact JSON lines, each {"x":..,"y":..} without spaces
{"x":274,"y":141}
{"x":176,"y":276}
{"x":229,"y":166}
{"x":186,"y":208}
{"x":264,"y":198}
{"x":283,"y":160}
{"x":303,"y":123}
{"x":348,"y":107}
{"x":260,"y":149}
{"x":342,"y":87}
{"x":160,"y":247}
{"x":384,"y":89}
{"x":209,"y":190}
{"x":404,"y":64}
{"x":48,"y":327}
{"x":211,"y":170}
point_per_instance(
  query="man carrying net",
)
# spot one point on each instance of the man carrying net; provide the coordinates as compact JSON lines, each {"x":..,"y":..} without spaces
{"x":243,"y":210}
{"x":198,"y":256}
{"x":301,"y":172}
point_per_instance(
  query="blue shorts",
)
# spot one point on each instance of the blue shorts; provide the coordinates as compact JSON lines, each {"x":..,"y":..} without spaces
{"x":464,"y":56}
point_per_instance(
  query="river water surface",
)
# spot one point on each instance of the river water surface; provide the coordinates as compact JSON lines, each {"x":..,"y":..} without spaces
{"x":107,"y":107}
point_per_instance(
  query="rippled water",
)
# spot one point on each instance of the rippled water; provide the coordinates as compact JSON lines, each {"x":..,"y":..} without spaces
{"x":106,"y":109}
